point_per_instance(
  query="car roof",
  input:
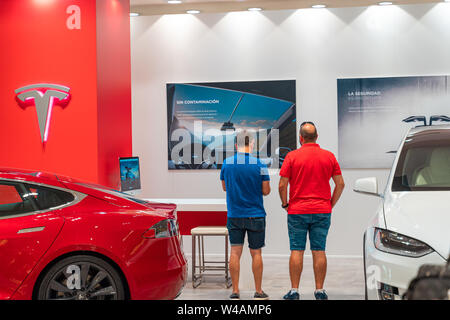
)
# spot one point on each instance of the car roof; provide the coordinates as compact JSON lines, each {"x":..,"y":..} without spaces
{"x":30,"y":176}
{"x":426,"y":135}
{"x":436,"y":128}
{"x":27,"y":173}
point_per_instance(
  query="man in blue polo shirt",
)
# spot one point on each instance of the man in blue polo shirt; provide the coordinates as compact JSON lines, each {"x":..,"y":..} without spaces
{"x":245,"y":180}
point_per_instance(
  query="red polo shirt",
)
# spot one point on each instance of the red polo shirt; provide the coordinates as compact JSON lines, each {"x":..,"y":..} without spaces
{"x":309,"y":170}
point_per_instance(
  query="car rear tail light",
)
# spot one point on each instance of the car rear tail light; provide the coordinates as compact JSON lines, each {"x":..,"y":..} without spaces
{"x":163,"y":229}
{"x":150,"y":234}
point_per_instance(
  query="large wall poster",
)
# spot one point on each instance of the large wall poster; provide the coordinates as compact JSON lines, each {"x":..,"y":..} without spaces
{"x":374,"y":114}
{"x":203,"y":119}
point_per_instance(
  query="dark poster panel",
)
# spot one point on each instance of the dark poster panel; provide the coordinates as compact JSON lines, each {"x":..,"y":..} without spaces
{"x":371,"y":114}
{"x":203,"y":119}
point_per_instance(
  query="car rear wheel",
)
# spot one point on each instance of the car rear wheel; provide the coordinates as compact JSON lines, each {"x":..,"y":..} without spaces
{"x":81,"y":277}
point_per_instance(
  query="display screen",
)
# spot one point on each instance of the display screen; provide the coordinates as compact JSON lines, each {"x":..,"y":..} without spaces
{"x":130,"y":177}
{"x":203,"y":119}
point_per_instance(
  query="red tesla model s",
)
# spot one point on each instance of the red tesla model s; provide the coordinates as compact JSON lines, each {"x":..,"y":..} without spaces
{"x":68,"y":240}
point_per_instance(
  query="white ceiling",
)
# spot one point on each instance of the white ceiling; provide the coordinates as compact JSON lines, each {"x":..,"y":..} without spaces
{"x":159,"y":7}
{"x":141,"y":2}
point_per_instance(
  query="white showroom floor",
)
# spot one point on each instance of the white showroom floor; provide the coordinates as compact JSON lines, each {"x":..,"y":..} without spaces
{"x":345,"y":280}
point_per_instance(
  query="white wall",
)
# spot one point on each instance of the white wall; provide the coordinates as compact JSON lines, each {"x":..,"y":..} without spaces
{"x":315,"y":47}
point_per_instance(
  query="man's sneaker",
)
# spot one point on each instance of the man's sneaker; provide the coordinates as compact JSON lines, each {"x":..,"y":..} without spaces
{"x":292,"y":295}
{"x":260,"y":296}
{"x":321,"y":295}
{"x":234,"y":296}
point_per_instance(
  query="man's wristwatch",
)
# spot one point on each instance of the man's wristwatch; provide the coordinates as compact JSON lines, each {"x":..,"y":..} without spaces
{"x":285,"y":205}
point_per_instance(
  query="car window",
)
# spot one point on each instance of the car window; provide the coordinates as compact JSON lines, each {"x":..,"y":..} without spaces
{"x":12,"y":201}
{"x":18,"y":198}
{"x":47,"y":198}
{"x":424,"y":163}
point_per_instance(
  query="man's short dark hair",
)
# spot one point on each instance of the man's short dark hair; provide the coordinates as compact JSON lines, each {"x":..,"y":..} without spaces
{"x":244,"y":138}
{"x":308,"y":136}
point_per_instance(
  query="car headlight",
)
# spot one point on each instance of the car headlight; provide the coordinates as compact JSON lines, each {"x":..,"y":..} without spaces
{"x":396,"y":243}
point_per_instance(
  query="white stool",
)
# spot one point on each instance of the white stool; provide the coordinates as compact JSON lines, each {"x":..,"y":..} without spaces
{"x":198,"y":235}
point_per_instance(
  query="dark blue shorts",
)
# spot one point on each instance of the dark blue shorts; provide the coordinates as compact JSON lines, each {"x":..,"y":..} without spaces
{"x":254,"y":227}
{"x":316,"y":224}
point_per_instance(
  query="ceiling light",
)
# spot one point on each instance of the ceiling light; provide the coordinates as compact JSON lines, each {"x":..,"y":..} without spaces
{"x":134,"y":14}
{"x":384,"y":3}
{"x":193,"y":11}
{"x":319,"y":6}
{"x":254,"y":9}
{"x":174,"y":1}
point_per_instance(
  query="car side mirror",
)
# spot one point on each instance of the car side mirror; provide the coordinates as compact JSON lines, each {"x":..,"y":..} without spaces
{"x":367,"y":186}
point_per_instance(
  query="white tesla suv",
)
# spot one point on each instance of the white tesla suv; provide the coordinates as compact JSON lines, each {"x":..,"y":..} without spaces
{"x":412,"y":225}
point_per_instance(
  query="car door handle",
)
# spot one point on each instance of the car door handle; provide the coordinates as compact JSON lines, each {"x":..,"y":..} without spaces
{"x":29,"y":230}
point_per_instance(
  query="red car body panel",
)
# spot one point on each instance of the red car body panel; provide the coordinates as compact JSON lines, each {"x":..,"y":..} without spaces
{"x":101,"y":223}
{"x":20,"y":252}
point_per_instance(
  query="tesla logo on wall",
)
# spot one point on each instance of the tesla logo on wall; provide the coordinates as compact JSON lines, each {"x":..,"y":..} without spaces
{"x":43,"y":96}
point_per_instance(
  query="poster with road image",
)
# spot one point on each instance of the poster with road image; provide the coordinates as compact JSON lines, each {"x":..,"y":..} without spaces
{"x":374,"y":114}
{"x":203,"y":119}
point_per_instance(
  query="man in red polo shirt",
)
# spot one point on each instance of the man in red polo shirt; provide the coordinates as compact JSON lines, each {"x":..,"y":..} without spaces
{"x":308,"y":171}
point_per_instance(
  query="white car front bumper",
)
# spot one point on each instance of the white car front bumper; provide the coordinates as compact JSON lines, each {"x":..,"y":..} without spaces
{"x":389,"y":272}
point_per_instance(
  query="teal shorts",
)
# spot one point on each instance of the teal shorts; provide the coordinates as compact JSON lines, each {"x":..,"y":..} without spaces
{"x":316,"y":225}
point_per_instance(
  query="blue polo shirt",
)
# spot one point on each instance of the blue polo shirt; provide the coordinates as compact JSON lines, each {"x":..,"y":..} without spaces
{"x":243,"y":175}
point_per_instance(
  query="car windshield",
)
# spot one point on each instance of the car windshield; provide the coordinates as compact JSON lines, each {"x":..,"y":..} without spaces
{"x":424,"y":163}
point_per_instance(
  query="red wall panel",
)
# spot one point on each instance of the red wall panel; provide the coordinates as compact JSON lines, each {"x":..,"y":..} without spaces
{"x":114,"y":87}
{"x":188,"y":220}
{"x":38,"y":47}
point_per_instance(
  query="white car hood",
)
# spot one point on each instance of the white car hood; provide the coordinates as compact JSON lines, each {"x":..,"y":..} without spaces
{"x":422,"y":215}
